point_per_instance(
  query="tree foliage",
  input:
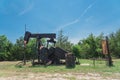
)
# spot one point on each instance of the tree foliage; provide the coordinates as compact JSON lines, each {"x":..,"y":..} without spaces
{"x":89,"y":47}
{"x":62,"y":42}
{"x":114,"y":41}
{"x":5,"y":48}
{"x":76,"y":50}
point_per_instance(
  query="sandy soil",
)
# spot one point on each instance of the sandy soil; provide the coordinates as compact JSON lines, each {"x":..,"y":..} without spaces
{"x":57,"y":76}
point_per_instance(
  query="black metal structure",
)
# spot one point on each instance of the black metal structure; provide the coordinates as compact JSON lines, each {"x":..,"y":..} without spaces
{"x":45,"y":54}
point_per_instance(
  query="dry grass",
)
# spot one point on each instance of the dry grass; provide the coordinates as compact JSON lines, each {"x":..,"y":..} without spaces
{"x":9,"y":71}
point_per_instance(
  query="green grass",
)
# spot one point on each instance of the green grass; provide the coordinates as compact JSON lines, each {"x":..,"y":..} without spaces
{"x":10,"y":68}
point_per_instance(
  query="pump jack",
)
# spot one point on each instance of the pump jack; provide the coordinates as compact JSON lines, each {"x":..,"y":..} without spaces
{"x":45,"y":55}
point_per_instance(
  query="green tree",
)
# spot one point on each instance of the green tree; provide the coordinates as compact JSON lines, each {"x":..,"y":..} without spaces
{"x":62,"y":42}
{"x":85,"y":48}
{"x":99,"y":45}
{"x":91,"y":46}
{"x":76,"y":50}
{"x":18,"y":49}
{"x":5,"y":47}
{"x":114,"y":44}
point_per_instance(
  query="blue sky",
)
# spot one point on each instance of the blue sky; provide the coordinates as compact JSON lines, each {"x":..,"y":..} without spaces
{"x":77,"y":18}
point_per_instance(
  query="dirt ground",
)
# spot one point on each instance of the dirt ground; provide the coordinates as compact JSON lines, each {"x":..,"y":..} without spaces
{"x":57,"y":76}
{"x":9,"y":72}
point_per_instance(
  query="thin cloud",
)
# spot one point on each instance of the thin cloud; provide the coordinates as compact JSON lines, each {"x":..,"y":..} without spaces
{"x":68,"y":24}
{"x":78,"y":19}
{"x":27,"y":9}
{"x":86,"y":10}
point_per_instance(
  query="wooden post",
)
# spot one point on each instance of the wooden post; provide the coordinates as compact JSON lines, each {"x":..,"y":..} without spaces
{"x":38,"y":44}
{"x":109,"y":59}
{"x":106,"y":52}
{"x":24,"y":60}
{"x":94,"y":62}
